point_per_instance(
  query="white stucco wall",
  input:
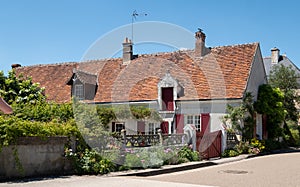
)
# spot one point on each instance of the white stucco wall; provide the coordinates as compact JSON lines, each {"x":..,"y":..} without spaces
{"x":257,"y":74}
{"x":215,"y":108}
{"x":259,"y":130}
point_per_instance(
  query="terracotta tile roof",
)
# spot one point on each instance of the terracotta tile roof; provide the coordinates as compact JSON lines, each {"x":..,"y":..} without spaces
{"x":223,"y":73}
{"x":52,"y":77}
{"x":84,"y":77}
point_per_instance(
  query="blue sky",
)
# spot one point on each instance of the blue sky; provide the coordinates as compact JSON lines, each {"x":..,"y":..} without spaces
{"x":39,"y":31}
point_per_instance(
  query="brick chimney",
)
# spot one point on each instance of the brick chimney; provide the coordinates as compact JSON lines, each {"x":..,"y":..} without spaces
{"x":13,"y":66}
{"x":275,"y":54}
{"x":127,"y":51}
{"x":200,"y":49}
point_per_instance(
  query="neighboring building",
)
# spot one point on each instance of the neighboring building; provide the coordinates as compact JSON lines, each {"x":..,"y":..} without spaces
{"x":277,"y":59}
{"x":185,"y":86}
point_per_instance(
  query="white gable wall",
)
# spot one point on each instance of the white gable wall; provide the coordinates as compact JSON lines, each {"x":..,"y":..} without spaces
{"x":257,"y":74}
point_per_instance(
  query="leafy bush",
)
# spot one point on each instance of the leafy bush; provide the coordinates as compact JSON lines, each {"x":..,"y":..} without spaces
{"x":292,"y":133}
{"x":256,"y":146}
{"x":245,"y":147}
{"x":189,"y":154}
{"x":295,"y":134}
{"x":272,"y":145}
{"x":230,"y":153}
{"x":143,"y":157}
{"x":242,"y":147}
{"x":12,"y":127}
{"x":154,"y":157}
{"x":43,"y":111}
{"x":19,"y":89}
{"x":90,"y":162}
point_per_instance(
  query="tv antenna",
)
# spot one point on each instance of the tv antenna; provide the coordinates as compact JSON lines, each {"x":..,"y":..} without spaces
{"x":134,"y":15}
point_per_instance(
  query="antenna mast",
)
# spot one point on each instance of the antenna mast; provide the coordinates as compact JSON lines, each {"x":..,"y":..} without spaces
{"x":133,"y":18}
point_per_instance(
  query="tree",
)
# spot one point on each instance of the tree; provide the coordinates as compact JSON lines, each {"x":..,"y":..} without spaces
{"x":270,"y":103}
{"x":19,"y":90}
{"x":285,"y":78}
{"x":242,"y":117}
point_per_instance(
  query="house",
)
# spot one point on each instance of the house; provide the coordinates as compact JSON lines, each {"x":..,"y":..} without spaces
{"x":277,"y":59}
{"x":184,"y":86}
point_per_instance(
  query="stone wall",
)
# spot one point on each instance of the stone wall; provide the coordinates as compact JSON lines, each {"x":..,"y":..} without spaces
{"x":36,"y":157}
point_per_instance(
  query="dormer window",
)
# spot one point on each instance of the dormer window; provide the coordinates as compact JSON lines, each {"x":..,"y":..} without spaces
{"x":83,"y":85}
{"x":167,"y":97}
{"x":168,"y":91}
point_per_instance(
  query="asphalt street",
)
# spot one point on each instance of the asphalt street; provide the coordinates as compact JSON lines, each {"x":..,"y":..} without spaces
{"x":272,"y":170}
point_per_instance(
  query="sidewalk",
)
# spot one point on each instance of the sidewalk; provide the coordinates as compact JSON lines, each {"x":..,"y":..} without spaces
{"x":178,"y":168}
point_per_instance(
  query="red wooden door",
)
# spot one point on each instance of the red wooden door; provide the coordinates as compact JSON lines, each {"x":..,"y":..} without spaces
{"x":167,"y":99}
{"x":209,"y":145}
{"x":141,"y":127}
{"x":179,"y":123}
{"x":205,"y":123}
{"x":164,"y":126}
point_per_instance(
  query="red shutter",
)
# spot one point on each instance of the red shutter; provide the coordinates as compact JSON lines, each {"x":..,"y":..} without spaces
{"x":164,"y":127}
{"x":205,"y":123}
{"x":167,"y":99}
{"x":113,"y":127}
{"x":264,"y":126}
{"x":141,"y":127}
{"x":179,"y":123}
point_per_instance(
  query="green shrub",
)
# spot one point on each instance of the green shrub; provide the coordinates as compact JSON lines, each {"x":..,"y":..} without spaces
{"x":143,"y":158}
{"x":189,"y":154}
{"x":242,"y":147}
{"x":256,"y":146}
{"x":90,"y":162}
{"x":272,"y":145}
{"x":43,"y":111}
{"x":12,"y":127}
{"x":295,"y":134}
{"x":230,"y":153}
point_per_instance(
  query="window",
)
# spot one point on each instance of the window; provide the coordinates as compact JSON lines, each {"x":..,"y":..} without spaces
{"x":151,"y":128}
{"x":198,"y":123}
{"x":190,"y":119}
{"x":167,"y":99}
{"x":117,"y":127}
{"x":194,"y":120}
{"x":78,"y":92}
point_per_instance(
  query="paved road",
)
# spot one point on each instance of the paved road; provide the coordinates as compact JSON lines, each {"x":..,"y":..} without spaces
{"x":274,"y":170}
{"x":96,"y":181}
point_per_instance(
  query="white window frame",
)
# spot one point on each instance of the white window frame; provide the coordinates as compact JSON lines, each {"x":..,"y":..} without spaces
{"x":190,"y":119}
{"x":151,"y":128}
{"x":193,"y":119}
{"x":197,"y":121}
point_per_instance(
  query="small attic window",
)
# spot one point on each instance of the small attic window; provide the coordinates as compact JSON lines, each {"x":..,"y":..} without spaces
{"x":78,"y":92}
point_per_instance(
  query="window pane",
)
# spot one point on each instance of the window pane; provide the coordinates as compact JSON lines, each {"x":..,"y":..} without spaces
{"x":198,"y":122}
{"x":79,"y":91}
{"x":151,"y":128}
{"x":190,"y":120}
{"x":119,"y":127}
